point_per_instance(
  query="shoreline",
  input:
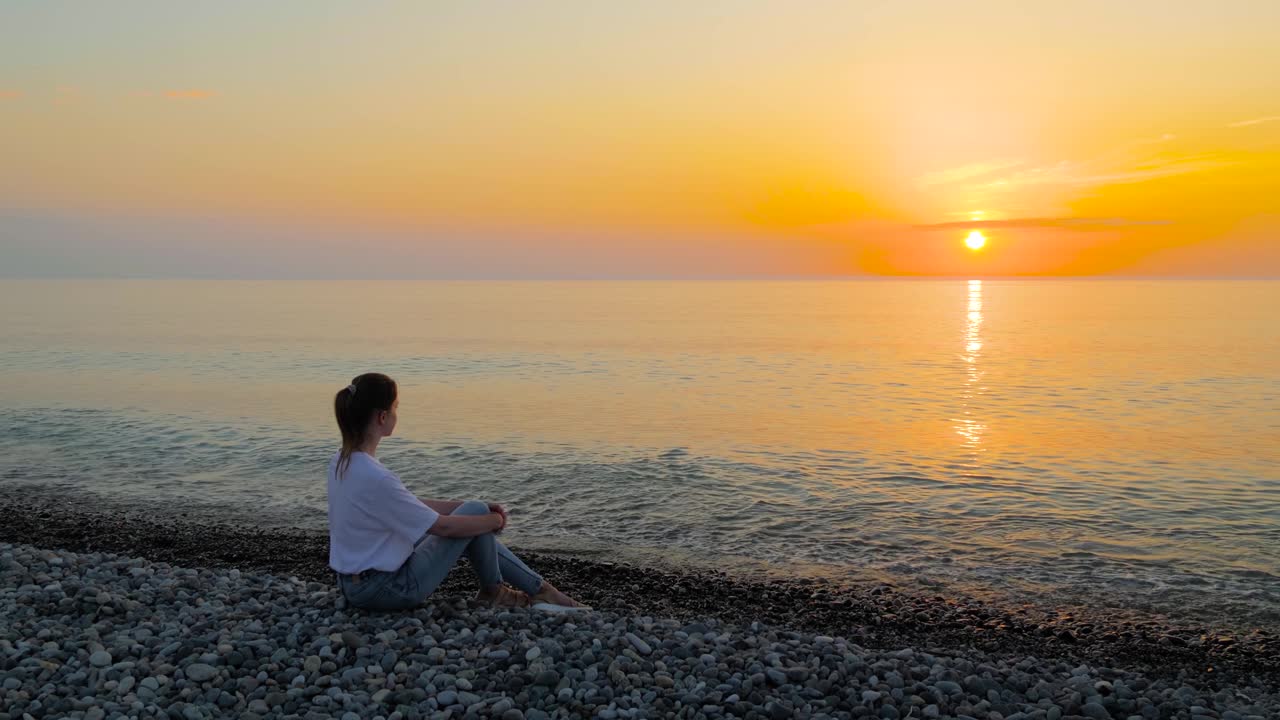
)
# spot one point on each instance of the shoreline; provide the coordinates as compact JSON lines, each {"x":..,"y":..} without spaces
{"x":880,"y":616}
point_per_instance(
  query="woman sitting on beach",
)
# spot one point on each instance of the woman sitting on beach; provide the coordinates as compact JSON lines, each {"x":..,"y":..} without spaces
{"x":390,"y":549}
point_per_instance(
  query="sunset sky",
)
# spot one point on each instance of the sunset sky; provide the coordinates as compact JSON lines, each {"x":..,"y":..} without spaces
{"x":655,"y":139}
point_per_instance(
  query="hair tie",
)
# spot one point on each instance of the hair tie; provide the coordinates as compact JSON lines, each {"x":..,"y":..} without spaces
{"x":351,"y":388}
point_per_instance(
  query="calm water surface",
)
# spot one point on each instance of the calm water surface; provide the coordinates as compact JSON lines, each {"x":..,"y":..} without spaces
{"x":1115,"y":443}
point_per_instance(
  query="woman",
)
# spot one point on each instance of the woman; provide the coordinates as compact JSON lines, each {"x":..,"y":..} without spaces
{"x":390,"y":549}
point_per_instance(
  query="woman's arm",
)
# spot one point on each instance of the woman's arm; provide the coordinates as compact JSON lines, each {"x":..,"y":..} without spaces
{"x":455,"y":526}
{"x":444,"y":507}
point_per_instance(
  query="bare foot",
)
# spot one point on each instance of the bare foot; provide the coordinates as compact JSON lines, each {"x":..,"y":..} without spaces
{"x":549,"y":594}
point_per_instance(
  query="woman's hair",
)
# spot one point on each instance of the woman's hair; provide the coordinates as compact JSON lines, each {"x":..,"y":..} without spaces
{"x":355,"y":405}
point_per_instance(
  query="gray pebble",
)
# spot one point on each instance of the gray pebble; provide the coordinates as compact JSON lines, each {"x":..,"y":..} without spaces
{"x":200,"y":672}
{"x":641,"y":646}
{"x":1095,"y":711}
{"x":948,"y":687}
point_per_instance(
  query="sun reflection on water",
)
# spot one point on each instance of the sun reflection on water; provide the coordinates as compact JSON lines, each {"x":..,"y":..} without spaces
{"x":968,"y":426}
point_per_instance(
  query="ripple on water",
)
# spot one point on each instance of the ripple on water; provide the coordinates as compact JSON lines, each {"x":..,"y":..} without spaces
{"x":1188,"y":547}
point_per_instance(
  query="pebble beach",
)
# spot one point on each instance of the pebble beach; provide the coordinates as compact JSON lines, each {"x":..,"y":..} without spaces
{"x":113,"y":616}
{"x":828,"y":361}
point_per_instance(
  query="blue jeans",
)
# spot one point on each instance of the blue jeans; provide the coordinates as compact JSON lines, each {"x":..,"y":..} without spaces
{"x":432,"y":559}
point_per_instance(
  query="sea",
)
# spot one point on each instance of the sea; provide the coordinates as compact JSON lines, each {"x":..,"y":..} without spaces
{"x":1112,"y":443}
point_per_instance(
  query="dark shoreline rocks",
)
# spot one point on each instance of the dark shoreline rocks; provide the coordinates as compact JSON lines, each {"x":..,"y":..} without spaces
{"x":881,"y":616}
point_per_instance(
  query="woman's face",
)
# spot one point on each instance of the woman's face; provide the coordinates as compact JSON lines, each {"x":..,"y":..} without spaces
{"x":387,"y":418}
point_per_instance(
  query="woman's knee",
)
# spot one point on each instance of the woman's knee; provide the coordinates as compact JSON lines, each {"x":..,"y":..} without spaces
{"x":472,"y":507}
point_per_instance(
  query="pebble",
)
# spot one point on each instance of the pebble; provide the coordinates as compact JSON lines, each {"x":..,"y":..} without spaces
{"x":200,"y":672}
{"x":209,"y":644}
{"x":641,"y":646}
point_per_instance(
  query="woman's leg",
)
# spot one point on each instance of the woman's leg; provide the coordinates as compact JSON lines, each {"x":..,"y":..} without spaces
{"x":516,"y":572}
{"x":441,"y":553}
{"x":488,"y":555}
{"x":492,"y":562}
{"x":435,"y":556}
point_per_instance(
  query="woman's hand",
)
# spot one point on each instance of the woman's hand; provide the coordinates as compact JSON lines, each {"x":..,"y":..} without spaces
{"x":502,"y":512}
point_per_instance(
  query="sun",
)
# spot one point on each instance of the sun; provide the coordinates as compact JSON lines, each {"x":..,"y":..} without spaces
{"x":976,"y":240}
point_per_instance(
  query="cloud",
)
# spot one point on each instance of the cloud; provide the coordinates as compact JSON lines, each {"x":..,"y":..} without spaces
{"x":966,"y":172}
{"x":1090,"y":173}
{"x":1255,"y":121}
{"x":1137,"y":161}
{"x":188,"y":94}
{"x":1066,"y":223}
{"x":10,"y":94}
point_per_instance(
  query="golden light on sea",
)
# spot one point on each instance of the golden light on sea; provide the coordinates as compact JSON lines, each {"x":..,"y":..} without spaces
{"x":976,"y":240}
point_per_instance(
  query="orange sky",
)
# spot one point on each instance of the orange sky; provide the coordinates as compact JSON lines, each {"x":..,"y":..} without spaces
{"x":667,"y":140}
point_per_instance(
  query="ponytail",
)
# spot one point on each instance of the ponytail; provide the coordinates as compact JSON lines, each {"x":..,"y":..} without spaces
{"x":355,"y":405}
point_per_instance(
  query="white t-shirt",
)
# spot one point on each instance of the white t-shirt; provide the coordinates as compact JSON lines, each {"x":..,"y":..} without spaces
{"x":374,"y":520}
